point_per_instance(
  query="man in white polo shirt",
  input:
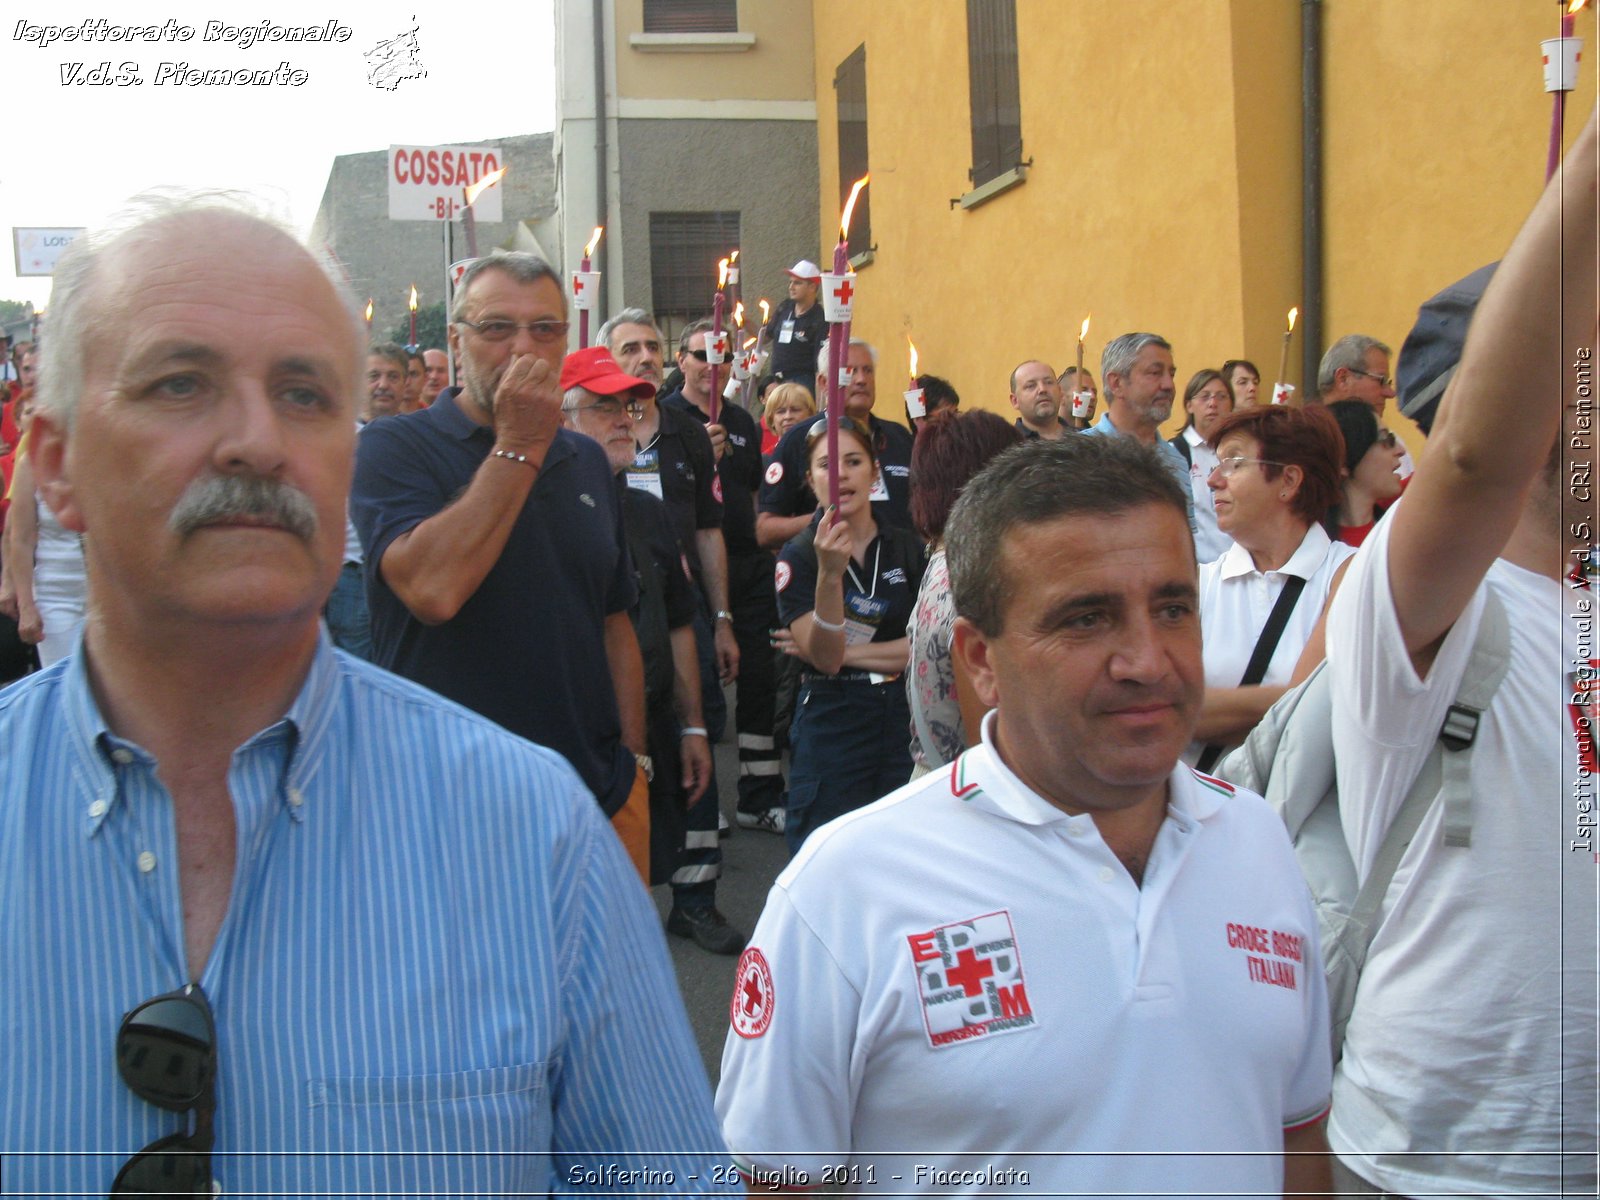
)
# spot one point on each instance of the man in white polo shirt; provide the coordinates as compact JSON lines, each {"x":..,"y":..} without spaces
{"x":1067,"y":964}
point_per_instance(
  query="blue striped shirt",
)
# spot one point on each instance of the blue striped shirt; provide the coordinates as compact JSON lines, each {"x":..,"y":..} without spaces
{"x":437,"y":972}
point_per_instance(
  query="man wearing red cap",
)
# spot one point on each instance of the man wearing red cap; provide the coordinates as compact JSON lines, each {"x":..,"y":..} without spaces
{"x":603,"y":402}
{"x":497,"y":568}
{"x":798,"y":328}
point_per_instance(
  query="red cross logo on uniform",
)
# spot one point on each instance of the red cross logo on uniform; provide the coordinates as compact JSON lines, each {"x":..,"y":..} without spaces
{"x":750,"y":1014}
{"x":969,"y":972}
{"x":844,"y":291}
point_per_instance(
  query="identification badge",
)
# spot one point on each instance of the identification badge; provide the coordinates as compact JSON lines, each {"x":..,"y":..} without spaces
{"x":645,"y":474}
{"x":862,"y":616}
{"x":786,"y":332}
{"x":879,"y":491}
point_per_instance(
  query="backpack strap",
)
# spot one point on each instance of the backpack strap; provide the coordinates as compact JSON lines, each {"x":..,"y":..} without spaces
{"x":1266,"y":645}
{"x":1446,"y":773}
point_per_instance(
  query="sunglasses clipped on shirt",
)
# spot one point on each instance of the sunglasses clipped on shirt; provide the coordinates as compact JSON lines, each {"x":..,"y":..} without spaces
{"x":167,"y":1055}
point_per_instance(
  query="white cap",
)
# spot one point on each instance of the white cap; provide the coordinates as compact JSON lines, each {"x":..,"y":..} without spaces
{"x":806,"y":269}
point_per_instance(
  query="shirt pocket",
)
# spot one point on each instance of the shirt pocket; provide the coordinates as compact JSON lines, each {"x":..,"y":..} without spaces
{"x":476,"y":1131}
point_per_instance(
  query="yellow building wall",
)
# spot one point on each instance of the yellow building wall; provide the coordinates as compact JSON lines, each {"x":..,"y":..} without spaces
{"x":777,"y":67}
{"x":1165,"y":187}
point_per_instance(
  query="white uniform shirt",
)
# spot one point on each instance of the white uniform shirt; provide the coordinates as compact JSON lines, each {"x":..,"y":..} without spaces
{"x":1236,"y":600}
{"x":1475,"y":1022}
{"x":1210,"y":543}
{"x":964,"y":972}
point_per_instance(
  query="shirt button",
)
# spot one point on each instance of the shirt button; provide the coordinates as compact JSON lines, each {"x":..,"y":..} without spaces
{"x":1106,"y":874}
{"x":147,"y":861}
{"x":122,"y":755}
{"x":296,"y":797}
{"x":99,"y":809}
{"x":1076,"y":831}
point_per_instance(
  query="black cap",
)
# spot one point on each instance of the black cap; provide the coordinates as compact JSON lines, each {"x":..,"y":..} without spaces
{"x":1433,"y":347}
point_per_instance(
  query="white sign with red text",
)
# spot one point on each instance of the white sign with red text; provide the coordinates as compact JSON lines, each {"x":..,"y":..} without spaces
{"x":429,"y":183}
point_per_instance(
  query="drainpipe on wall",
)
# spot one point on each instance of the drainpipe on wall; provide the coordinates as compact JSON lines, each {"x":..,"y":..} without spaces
{"x":602,"y":202}
{"x":1310,"y":194}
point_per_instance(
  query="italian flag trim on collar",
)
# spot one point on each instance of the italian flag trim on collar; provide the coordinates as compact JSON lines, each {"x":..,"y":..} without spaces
{"x":962,"y":787}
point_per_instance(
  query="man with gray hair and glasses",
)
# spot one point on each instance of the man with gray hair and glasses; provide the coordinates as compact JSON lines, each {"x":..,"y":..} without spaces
{"x":497,"y":568}
{"x":1141,"y":383}
{"x":1356,"y":367}
{"x":275,"y":922}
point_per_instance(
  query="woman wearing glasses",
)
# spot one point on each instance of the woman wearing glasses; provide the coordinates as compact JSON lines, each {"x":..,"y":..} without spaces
{"x":846,"y":588}
{"x":1276,"y":477}
{"x":1372,"y":456}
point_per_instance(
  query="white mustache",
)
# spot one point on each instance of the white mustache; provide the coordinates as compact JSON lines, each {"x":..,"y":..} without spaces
{"x":221,"y":497}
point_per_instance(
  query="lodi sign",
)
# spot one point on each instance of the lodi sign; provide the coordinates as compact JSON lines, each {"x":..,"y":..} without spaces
{"x":429,"y":183}
{"x":37,"y":250}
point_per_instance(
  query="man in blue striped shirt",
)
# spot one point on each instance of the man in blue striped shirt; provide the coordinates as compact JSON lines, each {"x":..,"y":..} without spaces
{"x":365,"y":941}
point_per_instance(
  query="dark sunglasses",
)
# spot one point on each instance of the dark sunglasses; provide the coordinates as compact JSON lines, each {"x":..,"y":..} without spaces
{"x":701,"y":355}
{"x":167,"y":1055}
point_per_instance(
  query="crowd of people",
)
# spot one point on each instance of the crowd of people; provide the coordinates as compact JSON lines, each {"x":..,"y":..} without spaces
{"x":367,"y":921}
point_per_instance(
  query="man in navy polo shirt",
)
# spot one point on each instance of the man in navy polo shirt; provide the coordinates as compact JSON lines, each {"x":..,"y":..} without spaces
{"x":497,"y":568}
{"x":786,"y":504}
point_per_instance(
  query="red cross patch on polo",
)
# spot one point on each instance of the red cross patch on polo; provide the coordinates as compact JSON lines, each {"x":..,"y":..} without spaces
{"x":969,"y":980}
{"x":750,"y":1012}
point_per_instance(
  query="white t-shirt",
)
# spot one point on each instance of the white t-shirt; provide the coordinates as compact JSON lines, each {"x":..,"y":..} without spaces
{"x":1475,"y":1020}
{"x":1210,"y":543}
{"x":963,"y":971}
{"x":1236,"y":600}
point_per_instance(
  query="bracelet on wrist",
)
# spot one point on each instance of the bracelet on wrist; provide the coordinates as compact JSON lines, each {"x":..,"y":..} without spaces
{"x":514,"y":457}
{"x":691,"y":731}
{"x":826,"y":626}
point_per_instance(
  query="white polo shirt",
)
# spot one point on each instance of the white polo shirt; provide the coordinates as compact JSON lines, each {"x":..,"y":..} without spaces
{"x":1471,"y":1054}
{"x":963,"y":973}
{"x":1236,"y":599}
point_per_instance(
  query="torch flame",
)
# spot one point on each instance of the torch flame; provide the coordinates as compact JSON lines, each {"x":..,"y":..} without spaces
{"x":1575,"y":6}
{"x":1293,"y":313}
{"x":594,"y":240}
{"x":850,"y":207}
{"x":488,"y":181}
{"x":412,"y":303}
{"x":766,"y":311}
{"x":369,"y":312}
{"x":913,"y":346}
{"x":738,"y":311}
{"x":733,"y":258}
{"x":1083,"y":330}
{"x":722,"y":273}
{"x":748,"y":342}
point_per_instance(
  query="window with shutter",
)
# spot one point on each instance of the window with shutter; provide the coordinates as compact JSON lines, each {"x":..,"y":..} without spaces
{"x":684,"y":249}
{"x":691,"y":16}
{"x":996,"y":98}
{"x":850,"y":88}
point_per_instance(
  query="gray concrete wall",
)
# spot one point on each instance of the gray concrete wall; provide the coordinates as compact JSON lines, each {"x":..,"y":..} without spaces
{"x":764,"y":170}
{"x":383,"y":257}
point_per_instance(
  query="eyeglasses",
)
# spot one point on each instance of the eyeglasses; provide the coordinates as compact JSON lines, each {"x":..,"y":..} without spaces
{"x":499,"y":331}
{"x":1388,"y":439}
{"x":167,"y":1055}
{"x":610,"y":410}
{"x":1386,"y":380}
{"x":1229,"y":467}
{"x":1218,"y":396}
{"x":698,"y":354}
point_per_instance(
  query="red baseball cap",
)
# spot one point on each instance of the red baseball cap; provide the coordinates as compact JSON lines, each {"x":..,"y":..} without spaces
{"x":595,"y":370}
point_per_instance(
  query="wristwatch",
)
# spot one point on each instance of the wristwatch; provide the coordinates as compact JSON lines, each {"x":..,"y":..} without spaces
{"x":724,"y":615}
{"x":647,"y":765}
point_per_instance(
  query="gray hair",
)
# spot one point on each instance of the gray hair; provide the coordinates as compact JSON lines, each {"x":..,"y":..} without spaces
{"x":1036,"y":482}
{"x":573,"y":397}
{"x":628,"y":316}
{"x":822,"y":355}
{"x":1349,"y":353}
{"x":521,"y":266}
{"x":1120,"y":353}
{"x":72,"y":308}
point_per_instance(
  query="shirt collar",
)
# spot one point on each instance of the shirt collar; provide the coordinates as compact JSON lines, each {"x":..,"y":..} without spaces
{"x":98,"y":752}
{"x":1192,"y":436}
{"x":1303,"y":562}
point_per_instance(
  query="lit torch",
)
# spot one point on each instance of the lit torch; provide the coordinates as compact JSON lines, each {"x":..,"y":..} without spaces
{"x":1083,"y":332}
{"x":915,"y":404}
{"x":369,"y":317}
{"x":715,"y":357}
{"x":469,"y":222}
{"x":1560,"y":77}
{"x":412,"y":305}
{"x":839,"y":289}
{"x":1281,"y":390}
{"x":586,"y":287}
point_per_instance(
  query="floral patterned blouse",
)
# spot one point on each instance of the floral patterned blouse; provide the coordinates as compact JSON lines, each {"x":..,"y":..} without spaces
{"x":937,"y":736}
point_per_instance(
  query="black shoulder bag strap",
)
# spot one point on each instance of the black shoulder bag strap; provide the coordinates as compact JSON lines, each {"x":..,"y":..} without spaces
{"x":1266,"y":644}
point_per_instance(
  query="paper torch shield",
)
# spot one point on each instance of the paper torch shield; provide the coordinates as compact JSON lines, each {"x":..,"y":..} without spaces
{"x":838,"y":297}
{"x":1561,"y":63}
{"x":1282,"y":393}
{"x":584,"y":287}
{"x":458,"y":269}
{"x":744,"y":364}
{"x":915,"y":404}
{"x":717,"y":347}
{"x":1082,"y":405}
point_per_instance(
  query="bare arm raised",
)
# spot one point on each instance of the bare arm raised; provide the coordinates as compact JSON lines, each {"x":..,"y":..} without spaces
{"x":1479,"y":492}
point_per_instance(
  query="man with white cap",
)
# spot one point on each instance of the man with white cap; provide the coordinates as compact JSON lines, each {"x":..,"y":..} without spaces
{"x":798,"y":328}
